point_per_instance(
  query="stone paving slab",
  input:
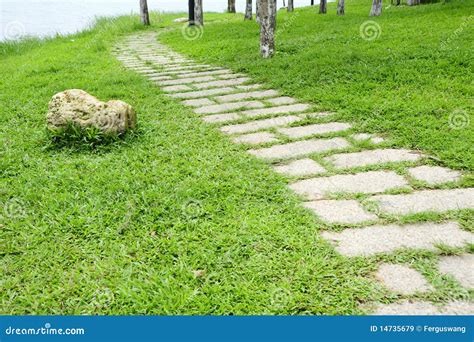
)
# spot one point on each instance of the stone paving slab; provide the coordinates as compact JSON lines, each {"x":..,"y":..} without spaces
{"x":308,"y":130}
{"x":461,"y":267}
{"x":296,"y":108}
{"x":249,"y":86}
{"x":300,"y":167}
{"x":246,"y":96}
{"x":426,"y":201}
{"x":425,"y":309}
{"x":366,"y":182}
{"x":198,"y":102}
{"x":283,"y":100}
{"x":402,"y":279}
{"x":386,"y":239}
{"x":187,"y":80}
{"x":230,"y":76}
{"x":260,"y":124}
{"x":255,"y":138}
{"x":300,"y":148}
{"x":221,"y":83}
{"x":434,"y":175}
{"x":340,"y":211}
{"x":176,"y":88}
{"x":225,"y":107}
{"x":217,"y":118}
{"x":372,"y":157}
{"x":202,"y":93}
{"x":204,"y":73}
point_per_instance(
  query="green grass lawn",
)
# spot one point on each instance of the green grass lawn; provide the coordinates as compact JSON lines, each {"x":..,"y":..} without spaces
{"x":122,"y":228}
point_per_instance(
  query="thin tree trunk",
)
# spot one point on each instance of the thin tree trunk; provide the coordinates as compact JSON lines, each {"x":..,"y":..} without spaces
{"x":248,"y":10}
{"x":198,"y":15}
{"x":144,"y":16}
{"x":398,"y":2}
{"x":340,"y":7}
{"x":291,"y":7}
{"x":312,"y":2}
{"x":376,"y":8}
{"x":231,"y":6}
{"x":191,"y":12}
{"x":267,"y":27}
{"x":257,"y":11}
{"x":323,"y":6}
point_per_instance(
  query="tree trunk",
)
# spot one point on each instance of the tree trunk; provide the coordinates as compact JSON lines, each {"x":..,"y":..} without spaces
{"x":231,"y":6}
{"x":257,"y":11}
{"x":198,"y":15}
{"x":398,"y":2}
{"x":291,"y":7}
{"x":191,"y":12}
{"x":267,"y":27}
{"x":340,"y":7}
{"x":323,"y":5}
{"x":312,"y":2}
{"x":248,"y":10}
{"x":376,"y":8}
{"x":144,"y":16}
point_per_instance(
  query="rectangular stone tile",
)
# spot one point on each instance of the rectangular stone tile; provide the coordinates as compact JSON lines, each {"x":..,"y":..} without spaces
{"x":300,"y":148}
{"x":176,"y":88}
{"x":366,"y":182}
{"x":434,"y":175}
{"x":421,"y":308}
{"x":402,"y":279}
{"x":300,"y":167}
{"x":221,"y":117}
{"x":187,"y":80}
{"x":255,"y":138}
{"x":283,"y":100}
{"x":204,"y":73}
{"x":221,"y":83}
{"x":426,"y":201}
{"x":249,"y":86}
{"x":245,"y":96}
{"x":340,"y":212}
{"x":202,"y":93}
{"x":230,"y":76}
{"x":153,"y":77}
{"x":296,"y":108}
{"x":198,"y":102}
{"x":226,"y":107}
{"x":256,"y":125}
{"x":372,"y":157}
{"x":385,"y":239}
{"x":186,"y":67}
{"x":461,"y":267}
{"x":304,"y":131}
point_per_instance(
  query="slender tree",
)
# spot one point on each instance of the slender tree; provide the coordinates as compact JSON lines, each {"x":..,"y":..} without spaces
{"x":312,"y":2}
{"x":248,"y":10}
{"x":267,"y":10}
{"x":198,"y":14}
{"x":376,"y":8}
{"x":144,"y":15}
{"x":340,"y":7}
{"x":257,"y":11}
{"x":291,"y":7}
{"x":191,"y":12}
{"x":231,"y":6}
{"x":323,"y":6}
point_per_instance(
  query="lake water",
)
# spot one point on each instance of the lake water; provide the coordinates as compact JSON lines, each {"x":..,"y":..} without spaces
{"x":48,"y":17}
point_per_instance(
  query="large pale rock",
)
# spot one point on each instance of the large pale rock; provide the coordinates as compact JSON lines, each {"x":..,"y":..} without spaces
{"x":77,"y":107}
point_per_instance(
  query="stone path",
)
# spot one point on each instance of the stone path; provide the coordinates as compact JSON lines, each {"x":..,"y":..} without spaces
{"x":350,"y":180}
